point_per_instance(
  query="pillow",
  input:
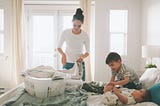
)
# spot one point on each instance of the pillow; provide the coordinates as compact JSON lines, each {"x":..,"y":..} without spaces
{"x":150,"y":77}
{"x":155,"y":93}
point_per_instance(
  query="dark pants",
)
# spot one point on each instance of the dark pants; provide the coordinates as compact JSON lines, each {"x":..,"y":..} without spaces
{"x":70,"y":65}
{"x":132,"y":85}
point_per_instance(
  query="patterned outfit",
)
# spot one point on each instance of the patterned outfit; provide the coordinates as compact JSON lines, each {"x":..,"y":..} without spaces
{"x":125,"y":71}
{"x":110,"y":99}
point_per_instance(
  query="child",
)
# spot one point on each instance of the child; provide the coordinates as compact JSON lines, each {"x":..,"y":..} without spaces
{"x":113,"y":96}
{"x":126,"y":77}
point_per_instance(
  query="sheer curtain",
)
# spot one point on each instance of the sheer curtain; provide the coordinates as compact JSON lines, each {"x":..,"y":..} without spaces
{"x":18,"y":44}
{"x":86,"y":7}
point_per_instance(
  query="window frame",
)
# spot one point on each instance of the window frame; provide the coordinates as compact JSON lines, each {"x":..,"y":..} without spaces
{"x":125,"y":34}
{"x":48,"y":9}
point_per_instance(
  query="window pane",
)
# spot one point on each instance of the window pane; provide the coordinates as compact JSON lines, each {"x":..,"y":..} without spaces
{"x":118,"y":20}
{"x":118,"y":43}
{"x":67,"y":22}
{"x":43,"y":40}
{"x":1,"y":30}
{"x":118,"y":31}
{"x":1,"y":20}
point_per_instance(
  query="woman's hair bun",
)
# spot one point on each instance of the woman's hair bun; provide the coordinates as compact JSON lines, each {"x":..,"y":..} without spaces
{"x":79,"y":11}
{"x":78,"y":15}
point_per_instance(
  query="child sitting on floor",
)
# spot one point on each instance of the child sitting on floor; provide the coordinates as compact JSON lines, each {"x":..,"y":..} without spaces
{"x":126,"y":77}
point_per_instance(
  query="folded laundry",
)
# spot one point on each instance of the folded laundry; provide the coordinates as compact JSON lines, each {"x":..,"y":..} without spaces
{"x":96,"y":87}
{"x":40,"y":72}
{"x":44,"y":81}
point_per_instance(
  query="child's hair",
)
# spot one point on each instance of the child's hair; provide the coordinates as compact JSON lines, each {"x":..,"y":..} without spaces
{"x":112,"y":56}
{"x":78,"y":15}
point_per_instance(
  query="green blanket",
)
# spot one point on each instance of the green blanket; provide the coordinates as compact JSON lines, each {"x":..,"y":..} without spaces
{"x":69,"y":98}
{"x":96,"y":87}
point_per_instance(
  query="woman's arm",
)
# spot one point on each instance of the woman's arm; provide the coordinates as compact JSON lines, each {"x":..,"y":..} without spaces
{"x":120,"y":96}
{"x":60,"y":51}
{"x":64,"y":59}
{"x":87,"y":46}
{"x":60,"y":43}
{"x":83,"y":56}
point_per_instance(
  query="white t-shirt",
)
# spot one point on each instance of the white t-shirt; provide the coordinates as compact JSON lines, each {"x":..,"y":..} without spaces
{"x":74,"y":44}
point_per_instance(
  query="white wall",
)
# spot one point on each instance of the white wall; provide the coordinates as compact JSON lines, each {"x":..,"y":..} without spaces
{"x":6,"y":57}
{"x":102,"y":72}
{"x":151,"y":25}
{"x":149,"y":30}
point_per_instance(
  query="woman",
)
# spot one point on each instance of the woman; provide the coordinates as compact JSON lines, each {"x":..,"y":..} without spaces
{"x":75,"y":39}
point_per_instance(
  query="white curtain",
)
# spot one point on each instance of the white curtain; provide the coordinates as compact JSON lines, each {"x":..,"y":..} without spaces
{"x":86,"y":7}
{"x":18,"y":49}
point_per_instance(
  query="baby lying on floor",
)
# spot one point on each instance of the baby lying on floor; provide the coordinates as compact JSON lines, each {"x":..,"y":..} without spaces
{"x":114,"y":96}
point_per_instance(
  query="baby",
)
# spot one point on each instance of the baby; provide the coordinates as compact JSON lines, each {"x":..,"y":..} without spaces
{"x":114,"y":96}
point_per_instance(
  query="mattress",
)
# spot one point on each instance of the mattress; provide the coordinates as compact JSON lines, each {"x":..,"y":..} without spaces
{"x":93,"y":99}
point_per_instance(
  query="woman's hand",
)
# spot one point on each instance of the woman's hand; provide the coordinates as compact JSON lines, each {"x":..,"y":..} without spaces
{"x":79,"y":59}
{"x":83,"y":56}
{"x":64,"y":60}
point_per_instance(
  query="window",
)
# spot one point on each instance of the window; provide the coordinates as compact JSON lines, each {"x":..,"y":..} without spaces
{"x":1,"y":30}
{"x":44,"y":29}
{"x":42,"y":39}
{"x":118,"y":31}
{"x":67,"y":22}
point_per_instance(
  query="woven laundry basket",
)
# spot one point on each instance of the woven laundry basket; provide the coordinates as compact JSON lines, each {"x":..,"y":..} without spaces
{"x":44,"y":86}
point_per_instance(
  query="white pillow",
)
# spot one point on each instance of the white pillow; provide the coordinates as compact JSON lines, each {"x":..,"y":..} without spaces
{"x":150,"y":77}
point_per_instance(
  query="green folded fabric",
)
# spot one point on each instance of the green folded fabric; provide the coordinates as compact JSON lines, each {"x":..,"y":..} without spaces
{"x":96,"y":87}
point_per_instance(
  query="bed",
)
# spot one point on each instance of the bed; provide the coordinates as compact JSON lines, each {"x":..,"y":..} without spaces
{"x":87,"y":98}
{"x":92,"y":100}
